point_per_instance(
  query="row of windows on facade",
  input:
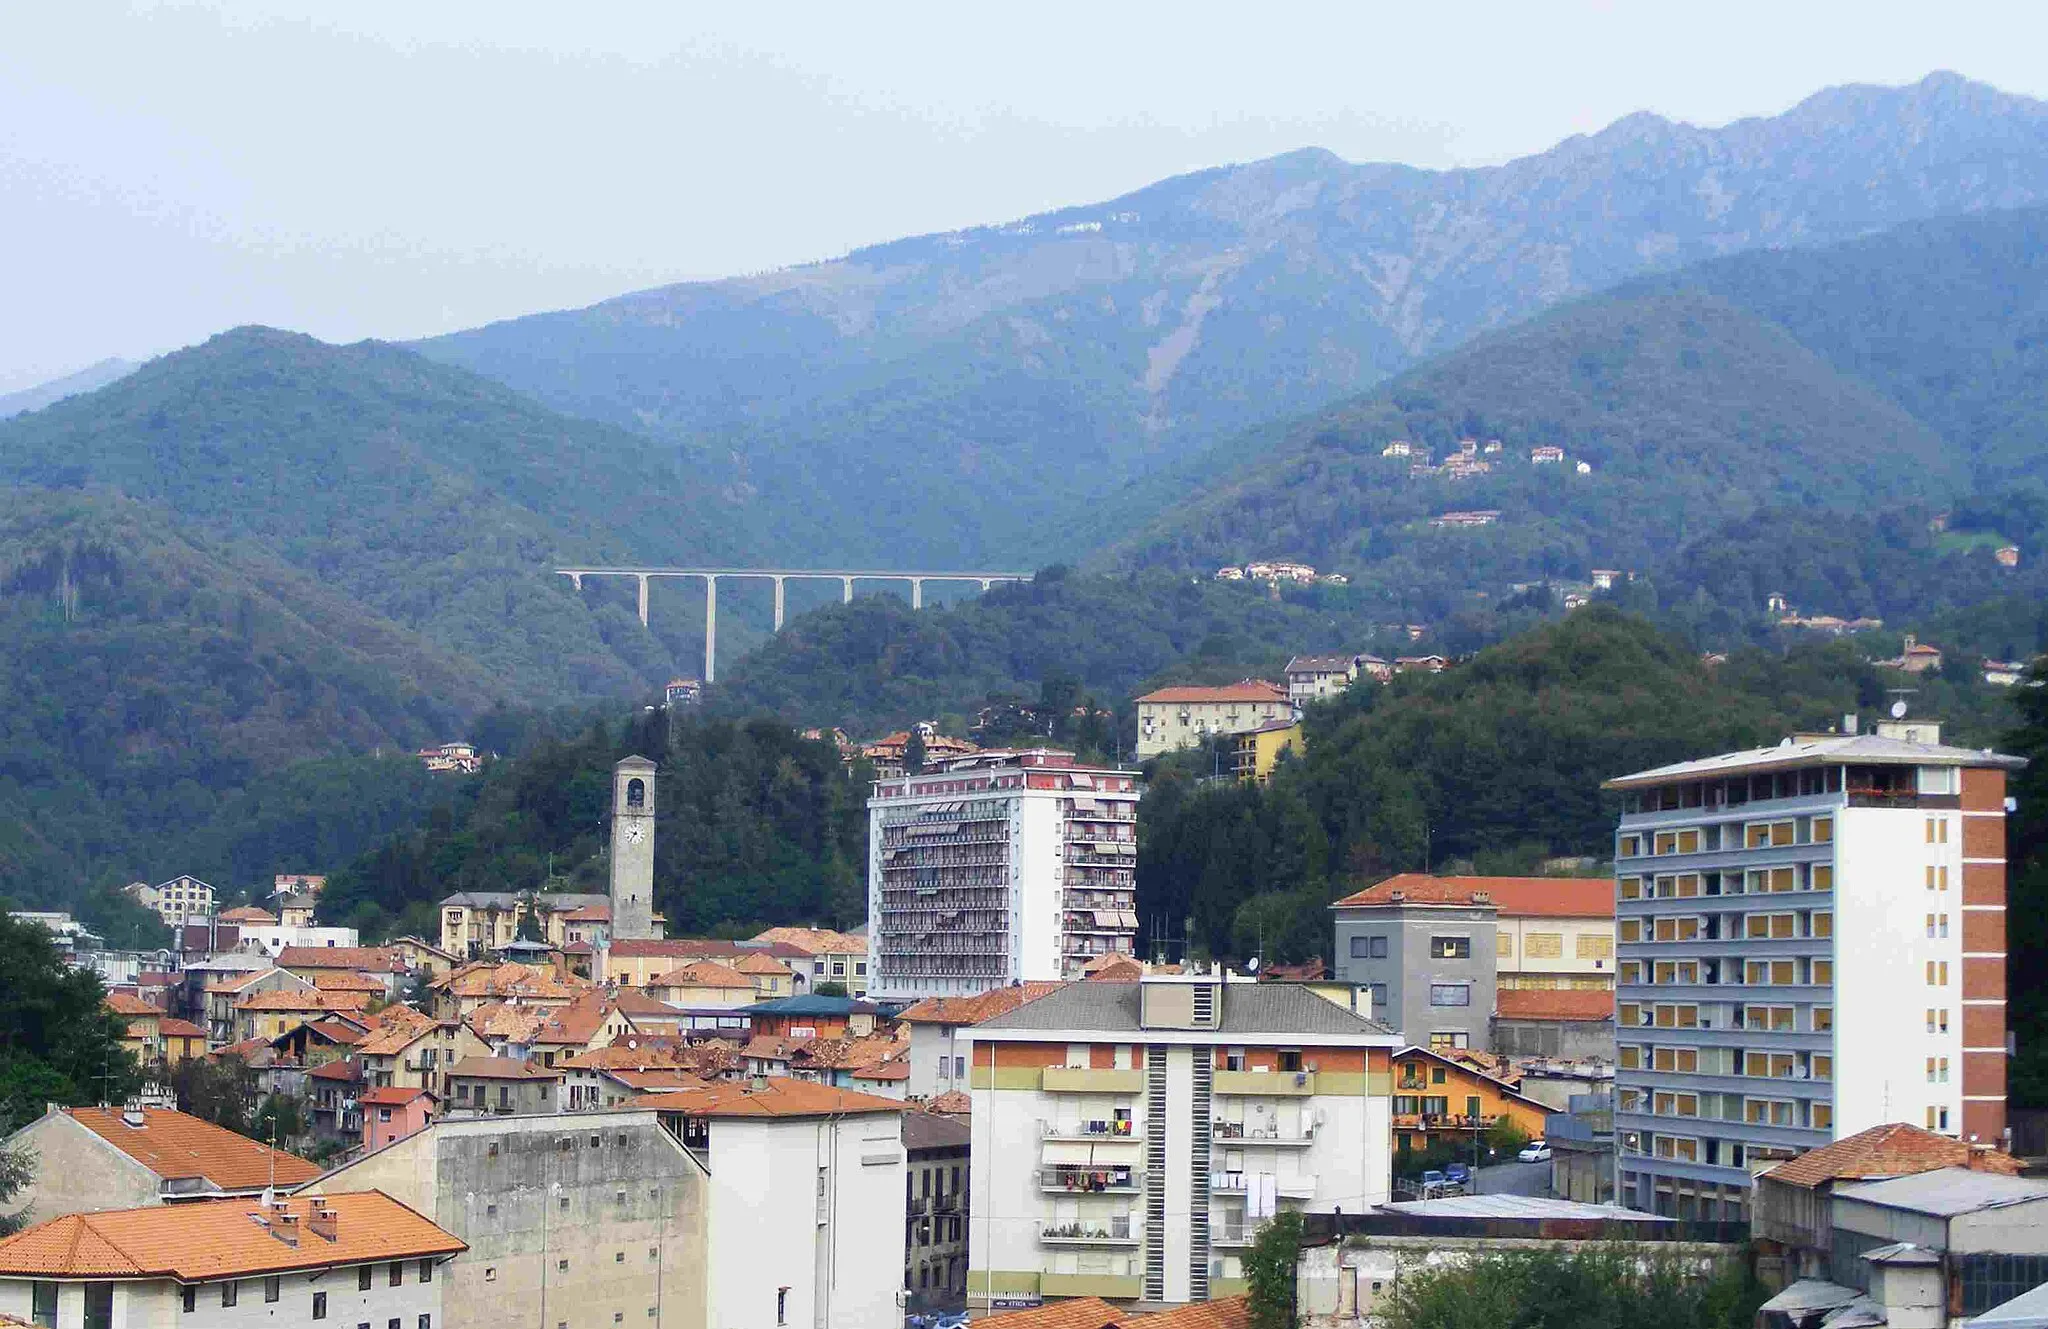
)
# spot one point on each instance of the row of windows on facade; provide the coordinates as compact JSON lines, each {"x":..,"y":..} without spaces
{"x":1755,"y":881}
{"x":1686,"y":1015}
{"x":1780,"y":925}
{"x":1535,"y":946}
{"x":1811,"y":1114}
{"x":1722,"y":837}
{"x":273,"y":1288}
{"x":1739,"y":790}
{"x":1724,"y":1061}
{"x":1804,"y":971}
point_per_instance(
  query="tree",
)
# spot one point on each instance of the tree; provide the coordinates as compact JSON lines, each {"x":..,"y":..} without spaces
{"x":913,"y":752}
{"x":58,"y":1042}
{"x":17,"y":1169}
{"x":1269,"y":1267}
{"x":223,"y":1092}
{"x":1615,"y":1287}
{"x":830,"y":988}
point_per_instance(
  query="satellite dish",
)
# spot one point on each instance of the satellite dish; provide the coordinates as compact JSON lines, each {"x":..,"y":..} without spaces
{"x":1251,"y":966}
{"x":1899,"y":709}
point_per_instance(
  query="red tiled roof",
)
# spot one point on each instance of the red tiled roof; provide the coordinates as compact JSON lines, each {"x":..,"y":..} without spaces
{"x":370,"y":959}
{"x":816,"y":941}
{"x":1223,"y":1313}
{"x":392,"y":1096}
{"x":1250,"y":689}
{"x":247,"y":913}
{"x":174,"y":1028}
{"x":982,"y":1006}
{"x":303,"y":1000}
{"x":344,"y":1069}
{"x":954,"y":1103}
{"x":173,"y":1144}
{"x":1553,"y":1004}
{"x":780,"y":1098}
{"x":1115,"y":967}
{"x":345,"y":980}
{"x":1892,"y":1150}
{"x":700,"y":948}
{"x":702,"y":974}
{"x":1514,"y":897}
{"x":128,"y":1004}
{"x":501,"y":1068}
{"x":761,"y":964}
{"x":212,"y":1239}
{"x":1077,"y":1313}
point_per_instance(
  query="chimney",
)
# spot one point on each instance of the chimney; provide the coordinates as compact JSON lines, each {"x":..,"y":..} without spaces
{"x":1849,"y":723}
{"x":285,"y":1227}
{"x":134,"y":1117}
{"x":324,"y":1222}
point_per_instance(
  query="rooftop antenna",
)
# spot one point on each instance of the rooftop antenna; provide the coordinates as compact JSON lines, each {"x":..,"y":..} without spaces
{"x":1899,"y":709}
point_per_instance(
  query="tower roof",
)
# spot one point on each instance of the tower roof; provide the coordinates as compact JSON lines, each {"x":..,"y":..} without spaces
{"x":636,"y":762}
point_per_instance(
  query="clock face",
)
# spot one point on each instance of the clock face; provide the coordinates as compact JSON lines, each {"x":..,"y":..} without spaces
{"x":635,"y":833}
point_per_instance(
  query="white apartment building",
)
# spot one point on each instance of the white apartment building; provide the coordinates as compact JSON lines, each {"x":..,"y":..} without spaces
{"x":175,"y":900}
{"x":1811,"y":942}
{"x":1321,"y":677}
{"x":807,"y":1201}
{"x":1170,"y":719}
{"x":1131,"y":1138}
{"x":349,"y":1259}
{"x":999,"y":867}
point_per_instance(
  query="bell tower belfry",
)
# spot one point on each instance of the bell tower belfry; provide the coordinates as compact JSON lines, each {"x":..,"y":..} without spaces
{"x":632,"y":885}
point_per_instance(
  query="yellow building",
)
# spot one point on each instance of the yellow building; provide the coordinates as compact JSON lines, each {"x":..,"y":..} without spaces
{"x":1437,"y":1097}
{"x":1258,"y":750}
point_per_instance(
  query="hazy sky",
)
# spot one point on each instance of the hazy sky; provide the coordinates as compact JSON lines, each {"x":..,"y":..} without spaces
{"x":393,"y":170}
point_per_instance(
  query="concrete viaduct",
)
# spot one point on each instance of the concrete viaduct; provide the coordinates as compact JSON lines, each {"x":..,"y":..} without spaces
{"x":846,"y":577}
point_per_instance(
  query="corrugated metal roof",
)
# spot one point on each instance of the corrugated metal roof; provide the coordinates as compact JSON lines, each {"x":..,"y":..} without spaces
{"x":1947,"y":1192}
{"x":2029,"y":1310}
{"x":1247,"y":1008}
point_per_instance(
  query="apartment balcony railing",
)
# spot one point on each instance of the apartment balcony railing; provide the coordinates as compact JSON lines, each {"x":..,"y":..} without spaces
{"x":1239,"y":1183}
{"x":1084,"y":1180}
{"x":1442,"y":1121}
{"x":1116,"y":1232}
{"x":1231,"y":1133}
{"x":1117,"y":1129}
{"x":1090,"y":1080}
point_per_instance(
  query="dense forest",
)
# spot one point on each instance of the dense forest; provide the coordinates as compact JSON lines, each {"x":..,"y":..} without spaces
{"x":755,"y":827}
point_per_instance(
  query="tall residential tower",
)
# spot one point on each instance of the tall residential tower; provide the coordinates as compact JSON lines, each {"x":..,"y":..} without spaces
{"x":1811,"y":942}
{"x":999,"y":867}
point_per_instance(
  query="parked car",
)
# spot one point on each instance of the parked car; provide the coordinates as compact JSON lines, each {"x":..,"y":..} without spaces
{"x":1458,"y":1174}
{"x":1536,"y":1151}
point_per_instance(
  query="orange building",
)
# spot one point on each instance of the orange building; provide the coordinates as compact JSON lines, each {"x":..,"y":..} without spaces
{"x":1437,"y":1098}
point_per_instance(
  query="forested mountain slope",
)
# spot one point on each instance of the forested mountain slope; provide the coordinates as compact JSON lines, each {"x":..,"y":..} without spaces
{"x":973,"y":389}
{"x":435,"y":498}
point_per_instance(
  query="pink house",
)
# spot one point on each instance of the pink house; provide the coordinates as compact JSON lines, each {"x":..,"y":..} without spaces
{"x":391,"y":1114}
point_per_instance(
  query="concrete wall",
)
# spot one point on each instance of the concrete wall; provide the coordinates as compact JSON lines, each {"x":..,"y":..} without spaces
{"x":76,"y":1172}
{"x":1565,"y":1040}
{"x":1409,"y":969}
{"x":830,"y":1263}
{"x":1571,"y":936}
{"x":1881,"y":953}
{"x":158,"y":1303}
{"x":629,"y":1217}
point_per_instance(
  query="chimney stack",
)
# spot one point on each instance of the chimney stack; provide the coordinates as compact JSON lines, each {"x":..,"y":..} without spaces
{"x":1849,"y":723}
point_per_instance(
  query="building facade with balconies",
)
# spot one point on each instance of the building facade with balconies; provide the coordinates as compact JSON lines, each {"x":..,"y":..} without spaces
{"x":1130,"y":1138}
{"x":999,"y":867}
{"x":1181,"y":717}
{"x":1811,"y":942}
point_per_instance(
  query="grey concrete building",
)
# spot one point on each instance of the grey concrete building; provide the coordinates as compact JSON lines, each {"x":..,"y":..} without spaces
{"x":503,"y":1086}
{"x":1427,"y":958}
{"x":90,"y":1159}
{"x":597,"y":1219}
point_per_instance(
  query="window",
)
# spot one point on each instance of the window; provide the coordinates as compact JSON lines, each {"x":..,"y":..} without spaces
{"x":1823,"y":1066}
{"x":1504,"y":945}
{"x":561,"y":1266}
{"x":1436,"y":1075}
{"x":1450,"y":994}
{"x":426,"y":1271}
{"x":1368,"y":948}
{"x":1823,"y":972}
{"x":188,"y":1298}
{"x":363,"y":1279}
{"x":1824,"y":1019}
{"x":1631,"y":846}
{"x":1450,"y":948}
{"x":273,"y":1288}
{"x":1543,"y":946}
{"x":1823,"y":877}
{"x":397,"y":1273}
{"x":1631,"y":971}
{"x":1823,"y":830}
{"x":426,"y":1322}
{"x":43,"y":1304}
{"x":230,"y":1293}
{"x":490,"y":1275}
{"x":1629,"y":929}
{"x":1823,"y":1115}
{"x":99,"y":1306}
{"x":1595,"y":946}
{"x":782,"y":1305}
{"x":319,"y":1305}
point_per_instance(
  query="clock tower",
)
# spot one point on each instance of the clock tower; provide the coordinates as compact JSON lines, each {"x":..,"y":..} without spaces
{"x":633,"y":850}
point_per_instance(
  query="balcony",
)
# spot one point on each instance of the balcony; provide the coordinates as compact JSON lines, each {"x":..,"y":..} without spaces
{"x":1442,"y":1121}
{"x":1119,"y":1130}
{"x":1116,"y":1232}
{"x":1080,"y":1179}
{"x":1088,"y":1080}
{"x":1226,"y":1236}
{"x":1232,"y":1134}
{"x":1120,"y":1287}
{"x":1236,"y":1183}
{"x":1269,"y":1084}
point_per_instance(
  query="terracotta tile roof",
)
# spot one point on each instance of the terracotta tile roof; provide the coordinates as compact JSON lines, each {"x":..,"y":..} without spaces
{"x":396,"y":1035}
{"x":657,"y":1079}
{"x":779,"y":1098}
{"x":1223,"y":1313}
{"x":578,"y":1022}
{"x":128,"y":1004}
{"x":682,"y":949}
{"x":336,"y":1031}
{"x":517,"y":1024}
{"x":1247,"y":690}
{"x":1514,"y":897}
{"x":346,"y":980}
{"x":501,"y":1068}
{"x":173,"y":1144}
{"x":307,"y":1000}
{"x":247,"y":913}
{"x":762,"y":964}
{"x":816,"y":941}
{"x":511,"y":979}
{"x":393,"y":1096}
{"x":975,"y":1009}
{"x":589,"y":913}
{"x":369,"y":959}
{"x":240,"y":981}
{"x":702,"y":974}
{"x":173,"y":1028}
{"x":1078,"y":1313}
{"x":633,"y":1001}
{"x":1892,"y":1150}
{"x":245,"y":1049}
{"x":763,"y":1048}
{"x":1114,"y":967}
{"x":884,"y":1070}
{"x":954,"y":1103}
{"x":1553,"y":1004}
{"x":345,"y":1069}
{"x":210,"y":1239}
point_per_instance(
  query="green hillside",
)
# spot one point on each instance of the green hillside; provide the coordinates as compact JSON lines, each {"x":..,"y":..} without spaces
{"x":434,"y":497}
{"x":154,"y":680}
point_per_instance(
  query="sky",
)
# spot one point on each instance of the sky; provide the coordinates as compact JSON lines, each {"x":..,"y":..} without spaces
{"x":401,"y":169}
